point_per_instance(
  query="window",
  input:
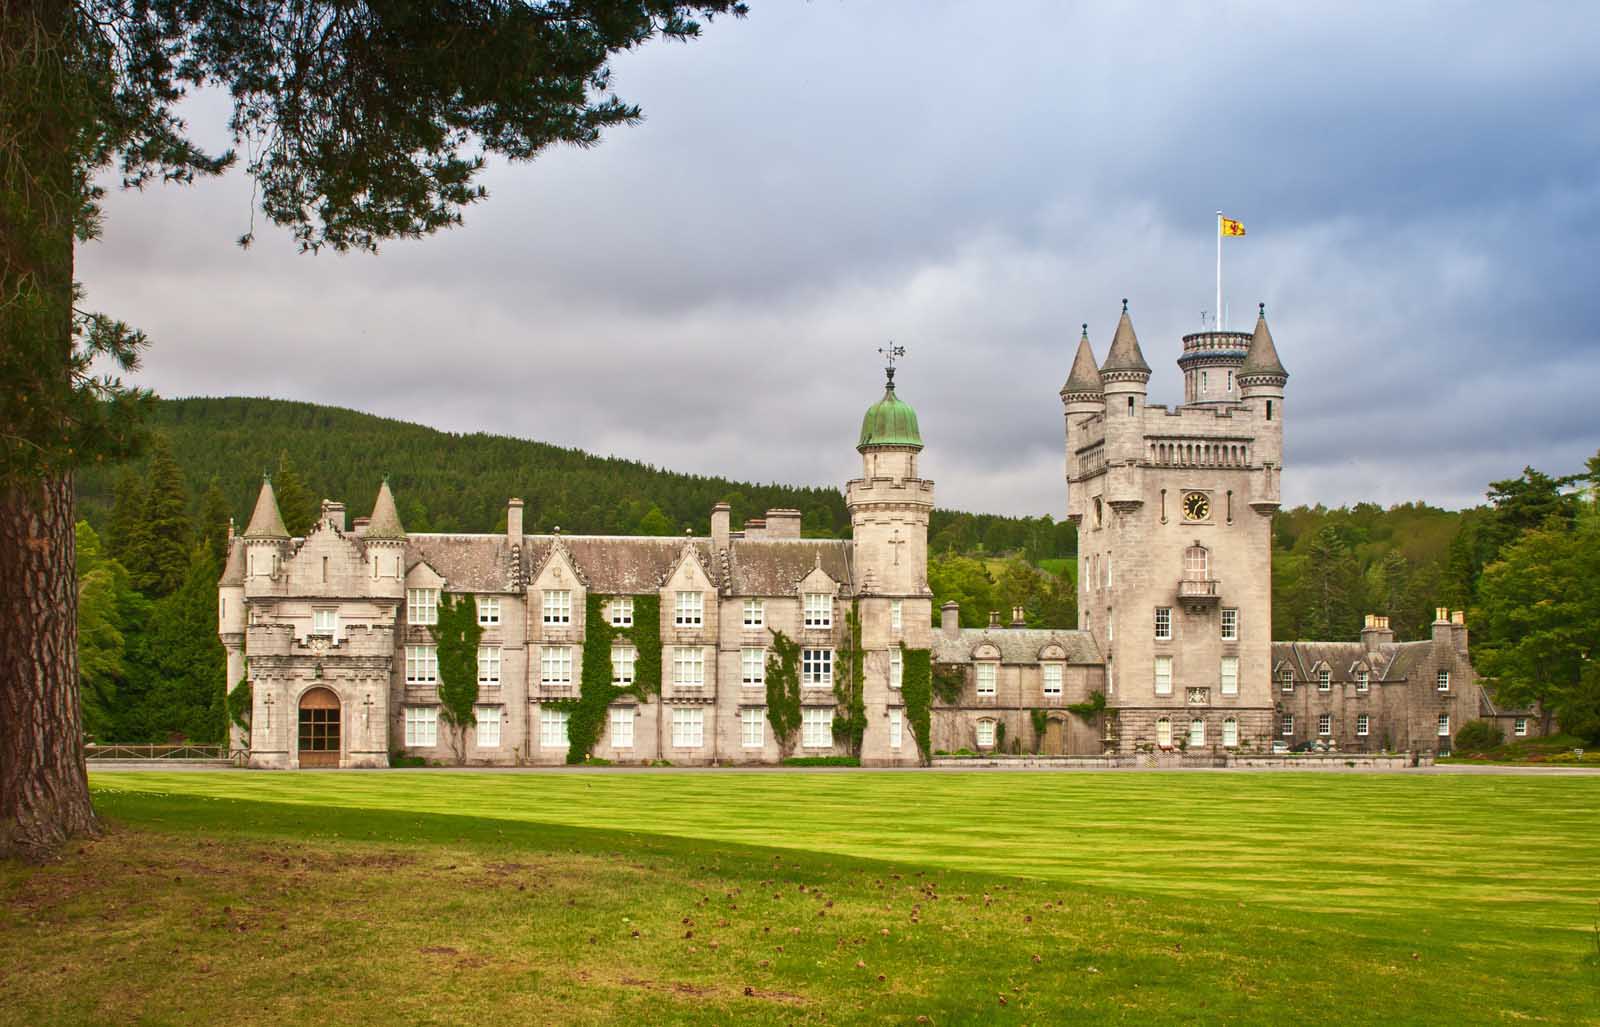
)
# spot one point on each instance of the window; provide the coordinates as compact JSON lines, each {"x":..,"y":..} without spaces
{"x":752,"y":667}
{"x":1052,"y":679}
{"x":488,"y":727}
{"x":1164,"y":733}
{"x":422,"y":665}
{"x":1324,"y":680}
{"x":1099,"y":513}
{"x":323,"y":621}
{"x":250,"y":617}
{"x":1230,"y":624}
{"x":489,"y":665}
{"x":557,"y":606}
{"x":688,"y":666}
{"x":1197,"y":732}
{"x":555,"y":666}
{"x":422,"y":606}
{"x":689,"y":609}
{"x":755,"y":613}
{"x":896,"y":727}
{"x":1324,"y":724}
{"x":897,"y":668}
{"x":896,"y":614}
{"x":422,"y":725}
{"x":816,"y":667}
{"x":1288,"y":724}
{"x":1362,"y":723}
{"x":818,"y":610}
{"x":624,"y":658}
{"x":752,"y":727}
{"x":987,"y":672}
{"x":1519,"y":727}
{"x":552,"y":728}
{"x":1230,"y":675}
{"x":1444,"y":725}
{"x":622,"y":727}
{"x":1442,"y":681}
{"x":622,"y":612}
{"x":1230,"y":733}
{"x":222,"y":608}
{"x":1108,"y":570}
{"x":488,"y":609}
{"x":1163,"y":675}
{"x":1111,"y":624}
{"x":1196,"y":562}
{"x":985,"y":734}
{"x":1164,"y":623}
{"x":1363,"y":680}
{"x":1286,"y":680}
{"x":816,"y":728}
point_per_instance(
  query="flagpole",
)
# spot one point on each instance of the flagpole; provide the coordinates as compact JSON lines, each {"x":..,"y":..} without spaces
{"x":1220,"y":326}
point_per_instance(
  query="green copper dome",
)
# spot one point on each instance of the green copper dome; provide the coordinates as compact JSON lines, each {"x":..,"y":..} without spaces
{"x":890,"y":422}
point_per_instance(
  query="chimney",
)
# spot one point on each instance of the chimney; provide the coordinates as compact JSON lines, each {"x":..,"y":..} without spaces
{"x":1458,"y":628}
{"x":755,"y":527}
{"x":333,"y":514}
{"x":361,"y":525}
{"x":950,"y":619}
{"x":721,"y":517}
{"x":1376,"y":632}
{"x":1443,"y":630}
{"x":230,"y":529}
{"x":514,"y":521}
{"x":1017,"y":619}
{"x":994,"y":618}
{"x":783,"y":523}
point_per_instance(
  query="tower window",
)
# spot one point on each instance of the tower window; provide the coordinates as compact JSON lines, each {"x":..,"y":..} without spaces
{"x":1269,"y":409}
{"x":1204,"y":387}
{"x":1130,"y":406}
{"x":1230,"y":381}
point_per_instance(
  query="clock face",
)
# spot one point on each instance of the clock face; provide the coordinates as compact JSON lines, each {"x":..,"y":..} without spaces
{"x":1196,"y":506}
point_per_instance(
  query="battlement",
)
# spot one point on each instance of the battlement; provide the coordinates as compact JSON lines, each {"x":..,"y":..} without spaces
{"x":889,"y":490}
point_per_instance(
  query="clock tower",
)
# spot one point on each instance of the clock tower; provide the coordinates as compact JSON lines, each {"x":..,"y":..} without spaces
{"x":1174,"y":512}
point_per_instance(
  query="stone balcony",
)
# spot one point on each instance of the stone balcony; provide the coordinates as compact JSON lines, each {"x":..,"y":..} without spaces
{"x":1199,"y":592}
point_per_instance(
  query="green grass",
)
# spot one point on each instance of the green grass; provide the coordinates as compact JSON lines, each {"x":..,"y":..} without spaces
{"x":437,"y":897}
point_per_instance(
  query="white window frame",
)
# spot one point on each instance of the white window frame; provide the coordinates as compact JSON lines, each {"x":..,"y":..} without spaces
{"x":488,"y":727}
{"x":897,"y":721}
{"x":1230,"y":675}
{"x":1519,"y":727}
{"x":1325,"y":680}
{"x":621,"y":611}
{"x":325,"y":621}
{"x":1288,"y":725}
{"x":688,"y":609}
{"x":986,"y":677}
{"x":555,"y":666}
{"x":553,"y":723}
{"x":897,"y":668}
{"x":422,"y":665}
{"x":984,"y":734}
{"x":1197,"y":732}
{"x":1053,"y":679}
{"x":422,"y":606}
{"x":1164,"y":732}
{"x":621,"y":727}
{"x":1444,"y":725}
{"x":752,"y":667}
{"x":1286,"y":681}
{"x":1363,"y":723}
{"x":489,"y":666}
{"x":422,"y":727}
{"x":1163,"y":624}
{"x":1363,"y":680}
{"x":688,"y":727}
{"x":816,"y":728}
{"x":752,"y":728}
{"x":1196,"y":563}
{"x":816,"y":668}
{"x":1230,"y":733}
{"x":488,"y":609}
{"x":1442,"y":681}
{"x":896,"y":614}
{"x":1163,"y":675}
{"x":624,"y":663}
{"x":755,"y":613}
{"x":818,"y":610}
{"x":555,"y":607}
{"x":688,"y":666}
{"x":1230,"y":624}
{"x":1324,"y":725}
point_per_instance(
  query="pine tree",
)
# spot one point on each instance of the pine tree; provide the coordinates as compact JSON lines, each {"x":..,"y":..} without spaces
{"x":127,"y":534}
{"x":214,"y":516}
{"x":187,"y":698}
{"x":102,"y":588}
{"x":170,"y":532}
{"x":295,"y":501}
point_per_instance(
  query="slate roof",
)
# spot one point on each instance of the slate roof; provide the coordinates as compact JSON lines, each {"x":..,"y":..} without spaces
{"x":622,"y":564}
{"x":266,"y":521}
{"x":385,"y":520}
{"x":774,"y":567}
{"x":1392,"y":661}
{"x":1085,"y":376}
{"x":1262,"y":357}
{"x":1125,"y":354}
{"x":233,"y":570}
{"x":1016,"y":645}
{"x":468,"y":563}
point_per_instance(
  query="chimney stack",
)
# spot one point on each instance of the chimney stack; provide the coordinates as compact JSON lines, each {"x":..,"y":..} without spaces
{"x":1376,"y":632}
{"x":333,"y":514}
{"x":1017,"y":619}
{"x":1443,"y":630}
{"x":783,"y":523}
{"x":1458,"y":627}
{"x":950,"y":619}
{"x":994,"y":618}
{"x":514,"y":521}
{"x":721,"y":519}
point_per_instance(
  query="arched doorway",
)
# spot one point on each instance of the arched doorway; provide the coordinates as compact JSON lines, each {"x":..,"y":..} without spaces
{"x":319,"y":728}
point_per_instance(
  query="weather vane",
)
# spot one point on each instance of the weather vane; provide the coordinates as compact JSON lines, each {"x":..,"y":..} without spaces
{"x":891,"y":353}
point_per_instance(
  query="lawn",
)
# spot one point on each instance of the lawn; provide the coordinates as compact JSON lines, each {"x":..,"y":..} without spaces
{"x":707,"y":897}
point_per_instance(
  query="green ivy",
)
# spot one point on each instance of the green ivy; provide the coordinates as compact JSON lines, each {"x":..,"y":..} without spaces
{"x":239,"y":703}
{"x":1041,"y":723}
{"x":916,"y":690}
{"x":456,"y":635}
{"x":1090,"y":708}
{"x":850,"y":722}
{"x":596,"y":690}
{"x":948,"y":680}
{"x":783,"y":688}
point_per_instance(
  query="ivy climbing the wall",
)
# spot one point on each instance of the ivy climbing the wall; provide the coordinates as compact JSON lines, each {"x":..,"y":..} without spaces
{"x":240,"y":702}
{"x":948,"y":680}
{"x":916,"y":690}
{"x":1090,"y":708}
{"x":456,"y":635}
{"x":1041,"y":723}
{"x":597,"y":689}
{"x":850,"y":719}
{"x":783,"y":689}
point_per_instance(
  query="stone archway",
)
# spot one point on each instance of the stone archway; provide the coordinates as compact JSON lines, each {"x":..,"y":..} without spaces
{"x":320,"y":728}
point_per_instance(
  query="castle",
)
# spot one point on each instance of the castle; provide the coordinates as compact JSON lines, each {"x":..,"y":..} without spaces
{"x":1173,"y":650}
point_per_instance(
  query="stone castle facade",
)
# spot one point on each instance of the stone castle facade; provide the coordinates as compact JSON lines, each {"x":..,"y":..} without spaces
{"x":1173,"y":650}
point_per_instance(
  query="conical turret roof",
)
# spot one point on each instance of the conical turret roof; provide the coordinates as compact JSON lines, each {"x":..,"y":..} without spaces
{"x":1124,"y":354}
{"x":266,"y":521}
{"x":1085,"y":375}
{"x":385,"y":520}
{"x":1262,"y":357}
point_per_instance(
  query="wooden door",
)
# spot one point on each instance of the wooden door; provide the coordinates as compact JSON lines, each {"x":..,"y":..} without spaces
{"x":319,"y":729}
{"x":1054,"y":737}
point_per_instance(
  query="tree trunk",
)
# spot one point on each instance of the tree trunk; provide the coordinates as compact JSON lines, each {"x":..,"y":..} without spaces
{"x":44,"y":787}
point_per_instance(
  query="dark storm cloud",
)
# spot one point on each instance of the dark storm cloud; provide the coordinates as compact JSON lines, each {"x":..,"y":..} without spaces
{"x":706,"y":291}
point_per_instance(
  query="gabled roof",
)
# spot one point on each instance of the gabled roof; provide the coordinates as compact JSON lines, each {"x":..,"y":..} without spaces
{"x":775,"y":567}
{"x":266,"y":521}
{"x":385,"y":520}
{"x":1124,"y":354}
{"x":1015,"y":645}
{"x":1262,"y":357}
{"x":1391,"y":661}
{"x":1084,"y":378}
{"x":467,"y":563}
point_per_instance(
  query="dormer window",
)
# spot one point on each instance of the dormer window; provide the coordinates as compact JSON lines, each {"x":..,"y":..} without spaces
{"x":818,"y":610}
{"x":1324,"y":680}
{"x":689,"y":609}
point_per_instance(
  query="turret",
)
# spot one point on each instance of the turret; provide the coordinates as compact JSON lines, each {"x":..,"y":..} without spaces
{"x":889,"y":505}
{"x":1083,"y":397}
{"x":385,"y":543}
{"x":266,"y":538}
{"x":1261,"y":382}
{"x":1127,"y":381}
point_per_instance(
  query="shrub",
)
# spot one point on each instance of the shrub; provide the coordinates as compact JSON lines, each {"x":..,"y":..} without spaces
{"x":823,"y":761}
{"x":399,"y":760}
{"x":1478,"y":736}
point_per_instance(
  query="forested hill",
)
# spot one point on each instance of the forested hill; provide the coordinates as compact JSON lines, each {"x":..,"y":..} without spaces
{"x":449,"y":482}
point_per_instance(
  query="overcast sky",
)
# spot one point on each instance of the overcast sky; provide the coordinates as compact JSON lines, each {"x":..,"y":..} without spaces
{"x":707,"y":291}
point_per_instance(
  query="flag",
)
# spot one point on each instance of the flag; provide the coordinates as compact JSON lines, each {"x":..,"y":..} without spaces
{"x":1231,"y":227}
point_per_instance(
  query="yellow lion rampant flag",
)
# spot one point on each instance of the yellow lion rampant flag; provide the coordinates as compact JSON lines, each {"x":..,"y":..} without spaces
{"x":1232,"y":227}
